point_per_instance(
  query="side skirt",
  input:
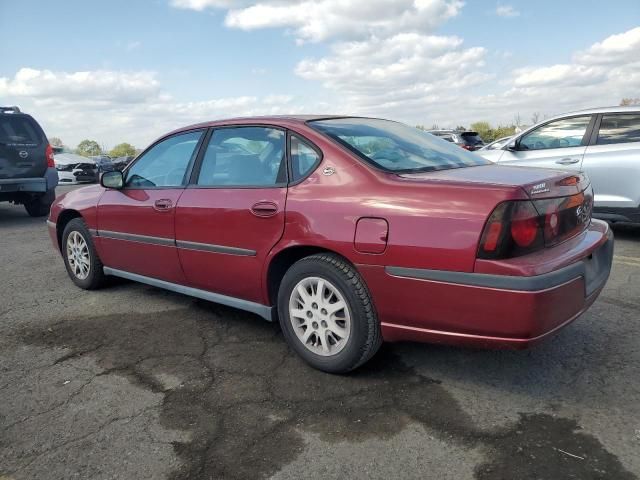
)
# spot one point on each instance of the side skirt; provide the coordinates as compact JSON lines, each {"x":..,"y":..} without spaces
{"x":268,"y":313}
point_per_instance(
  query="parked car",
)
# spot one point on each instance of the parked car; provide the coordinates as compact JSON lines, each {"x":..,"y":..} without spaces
{"x":602,"y":142}
{"x":349,"y":230}
{"x":103,"y":162}
{"x":73,"y":168}
{"x":120,"y":163}
{"x":468,"y":140}
{"x":27,"y":172}
{"x":497,"y":144}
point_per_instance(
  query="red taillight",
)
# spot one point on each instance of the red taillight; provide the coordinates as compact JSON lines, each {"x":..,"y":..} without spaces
{"x":467,"y":147}
{"x":49,"y":154}
{"x":520,"y":227}
{"x":524,"y":224}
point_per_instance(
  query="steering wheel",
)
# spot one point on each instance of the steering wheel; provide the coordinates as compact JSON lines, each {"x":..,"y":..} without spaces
{"x":566,"y":143}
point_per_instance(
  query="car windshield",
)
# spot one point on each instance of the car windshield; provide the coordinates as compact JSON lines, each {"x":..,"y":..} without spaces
{"x":396,"y":147}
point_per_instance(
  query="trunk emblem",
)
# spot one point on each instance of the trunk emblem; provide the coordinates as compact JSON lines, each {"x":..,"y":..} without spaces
{"x":23,"y":154}
{"x":539,"y":188}
{"x":328,"y":171}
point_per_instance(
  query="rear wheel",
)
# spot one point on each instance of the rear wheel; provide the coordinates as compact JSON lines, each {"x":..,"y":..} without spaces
{"x":39,"y":205}
{"x":80,"y":256}
{"x":326,"y":314}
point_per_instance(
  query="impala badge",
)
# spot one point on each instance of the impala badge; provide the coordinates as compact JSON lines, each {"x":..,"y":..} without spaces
{"x":539,"y":188}
{"x":328,"y":171}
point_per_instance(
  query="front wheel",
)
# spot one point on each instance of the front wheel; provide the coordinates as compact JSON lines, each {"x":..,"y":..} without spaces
{"x":80,"y":256}
{"x":326,"y":314}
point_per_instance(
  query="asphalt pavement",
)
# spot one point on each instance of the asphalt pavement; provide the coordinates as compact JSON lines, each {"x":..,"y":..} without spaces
{"x":133,"y":382}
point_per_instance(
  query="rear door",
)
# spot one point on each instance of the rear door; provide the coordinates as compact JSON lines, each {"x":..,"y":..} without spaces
{"x":233,"y":213}
{"x":559,"y":144}
{"x":612,"y":160}
{"x":136,"y":225}
{"x":22,"y":147}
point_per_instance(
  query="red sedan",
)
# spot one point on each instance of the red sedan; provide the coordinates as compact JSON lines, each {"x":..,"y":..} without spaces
{"x":350,"y":231}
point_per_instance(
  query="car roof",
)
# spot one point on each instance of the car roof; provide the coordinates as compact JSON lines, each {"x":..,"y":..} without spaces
{"x":615,"y":109}
{"x":277,"y":120}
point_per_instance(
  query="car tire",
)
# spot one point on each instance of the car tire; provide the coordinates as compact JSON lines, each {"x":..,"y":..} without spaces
{"x":39,"y":205}
{"x":80,"y":256}
{"x":332,"y":341}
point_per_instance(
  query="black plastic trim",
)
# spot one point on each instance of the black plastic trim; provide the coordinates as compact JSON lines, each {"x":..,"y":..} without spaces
{"x":602,"y":257}
{"x":208,"y":247}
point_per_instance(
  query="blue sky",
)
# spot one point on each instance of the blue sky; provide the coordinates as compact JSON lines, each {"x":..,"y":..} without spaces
{"x":153,"y":65}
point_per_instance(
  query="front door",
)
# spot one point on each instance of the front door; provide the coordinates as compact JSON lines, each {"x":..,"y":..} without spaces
{"x":559,"y":144}
{"x":233,"y":214}
{"x":136,"y":224}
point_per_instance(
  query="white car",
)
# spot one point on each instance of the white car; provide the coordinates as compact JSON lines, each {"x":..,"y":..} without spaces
{"x":602,"y":142}
{"x":73,"y":168}
{"x":497,"y":144}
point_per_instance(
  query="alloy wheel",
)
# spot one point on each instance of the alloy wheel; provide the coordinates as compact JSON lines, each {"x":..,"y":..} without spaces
{"x":78,"y":255}
{"x":320,"y":316}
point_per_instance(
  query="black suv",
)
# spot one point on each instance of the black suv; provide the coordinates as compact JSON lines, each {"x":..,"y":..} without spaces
{"x":28,"y":174}
{"x":467,"y":140}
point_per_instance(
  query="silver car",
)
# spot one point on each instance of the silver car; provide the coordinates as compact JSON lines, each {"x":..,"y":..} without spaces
{"x":602,"y":142}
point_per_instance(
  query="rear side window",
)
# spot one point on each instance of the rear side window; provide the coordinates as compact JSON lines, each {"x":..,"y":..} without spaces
{"x":303,"y":158}
{"x":18,"y":129}
{"x":564,"y":133}
{"x":619,"y":128}
{"x":244,"y":156}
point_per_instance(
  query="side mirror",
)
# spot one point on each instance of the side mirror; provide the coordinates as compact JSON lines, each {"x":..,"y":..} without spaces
{"x":113,"y":179}
{"x":512,"y":146}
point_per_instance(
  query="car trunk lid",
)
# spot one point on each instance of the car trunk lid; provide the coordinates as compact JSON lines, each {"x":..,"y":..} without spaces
{"x":538,"y":183}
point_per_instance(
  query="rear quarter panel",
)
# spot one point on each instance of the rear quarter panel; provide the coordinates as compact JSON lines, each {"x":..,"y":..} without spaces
{"x":433,"y":225}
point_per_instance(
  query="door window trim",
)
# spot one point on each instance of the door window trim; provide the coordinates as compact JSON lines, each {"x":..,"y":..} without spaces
{"x":312,"y":146}
{"x":586,"y":138}
{"x":187,"y":173}
{"x":193,"y":179}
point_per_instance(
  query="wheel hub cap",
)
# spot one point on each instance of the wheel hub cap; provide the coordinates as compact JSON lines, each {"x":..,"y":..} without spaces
{"x":320,"y":316}
{"x":78,"y":255}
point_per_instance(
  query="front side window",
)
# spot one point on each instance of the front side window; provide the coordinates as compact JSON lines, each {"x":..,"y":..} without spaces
{"x":564,"y":133}
{"x":244,"y":156}
{"x":619,"y":128}
{"x":166,"y":163}
{"x":303,"y":158}
{"x":396,"y":147}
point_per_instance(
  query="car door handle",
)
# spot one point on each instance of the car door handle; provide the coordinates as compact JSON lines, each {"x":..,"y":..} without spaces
{"x":568,"y":161}
{"x":264,"y":209}
{"x":163,"y":204}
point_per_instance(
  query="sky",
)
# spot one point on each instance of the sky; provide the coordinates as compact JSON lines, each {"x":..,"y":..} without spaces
{"x":130,"y":70}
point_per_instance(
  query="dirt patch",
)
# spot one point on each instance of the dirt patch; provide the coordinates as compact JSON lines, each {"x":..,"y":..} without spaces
{"x":229,"y":380}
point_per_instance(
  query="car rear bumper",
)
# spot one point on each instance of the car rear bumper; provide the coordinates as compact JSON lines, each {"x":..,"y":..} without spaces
{"x":482,"y":310}
{"x":30,"y":185}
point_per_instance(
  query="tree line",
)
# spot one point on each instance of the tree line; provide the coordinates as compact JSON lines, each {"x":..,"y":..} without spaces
{"x":91,"y":148}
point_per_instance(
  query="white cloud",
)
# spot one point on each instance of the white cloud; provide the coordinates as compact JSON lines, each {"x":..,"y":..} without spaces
{"x":112,"y":107}
{"x":318,"y":20}
{"x":507,"y":11}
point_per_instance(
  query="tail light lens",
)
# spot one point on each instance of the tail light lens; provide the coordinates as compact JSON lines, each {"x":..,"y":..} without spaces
{"x":49,"y":154}
{"x":520,"y":227}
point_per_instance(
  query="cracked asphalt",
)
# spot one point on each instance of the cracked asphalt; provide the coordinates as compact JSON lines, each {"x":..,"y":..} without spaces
{"x":132,"y":382}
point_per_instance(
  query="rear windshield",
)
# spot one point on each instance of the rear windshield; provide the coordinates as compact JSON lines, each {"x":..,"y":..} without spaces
{"x":18,"y":129}
{"x":396,"y":147}
{"x":472,"y":138}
